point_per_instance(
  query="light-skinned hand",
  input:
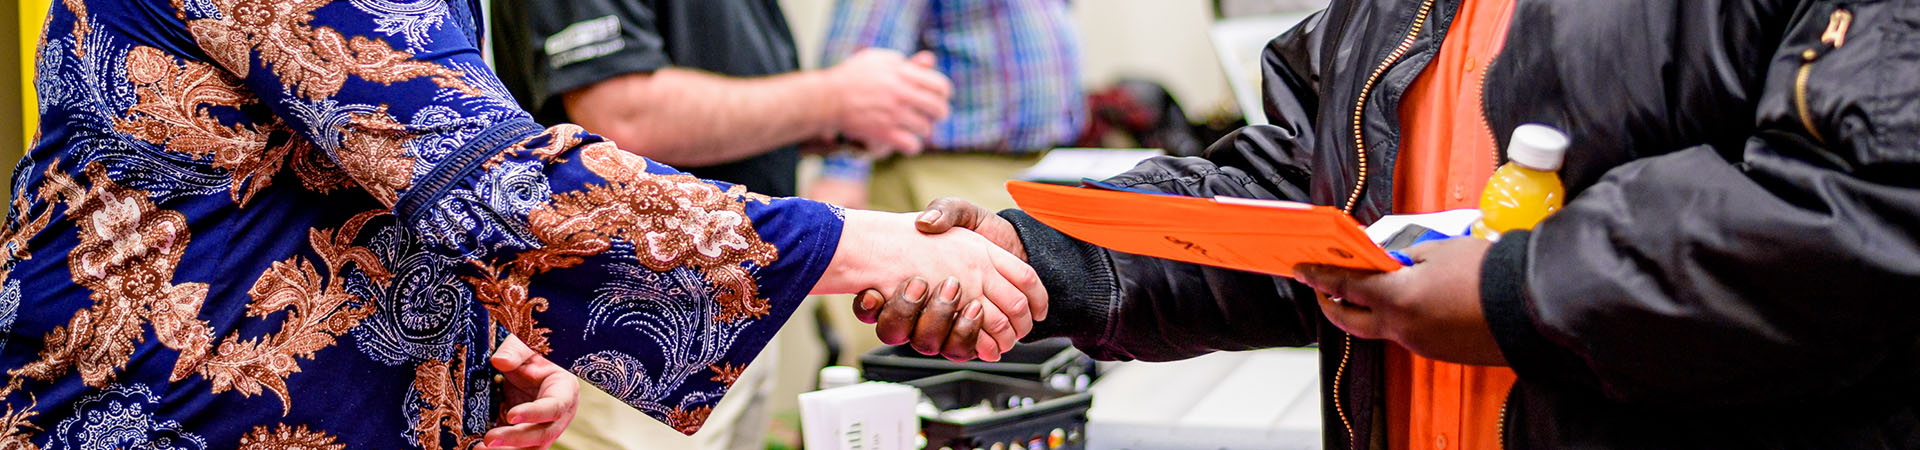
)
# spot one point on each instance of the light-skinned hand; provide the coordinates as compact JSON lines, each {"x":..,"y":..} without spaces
{"x":843,"y":192}
{"x":941,"y":216}
{"x":541,"y":398}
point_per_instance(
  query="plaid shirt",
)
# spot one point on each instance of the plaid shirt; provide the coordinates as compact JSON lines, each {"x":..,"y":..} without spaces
{"x":1015,"y":65}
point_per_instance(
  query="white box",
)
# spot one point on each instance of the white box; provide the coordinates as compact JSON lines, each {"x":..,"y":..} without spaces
{"x":866,"y":416}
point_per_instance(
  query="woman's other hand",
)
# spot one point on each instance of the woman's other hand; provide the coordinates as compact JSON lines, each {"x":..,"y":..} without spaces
{"x":542,"y":398}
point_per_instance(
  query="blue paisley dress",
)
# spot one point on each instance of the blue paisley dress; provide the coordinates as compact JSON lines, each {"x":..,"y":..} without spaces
{"x":306,"y":223}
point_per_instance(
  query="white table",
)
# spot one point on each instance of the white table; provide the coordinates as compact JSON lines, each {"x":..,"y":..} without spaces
{"x":1268,"y":399}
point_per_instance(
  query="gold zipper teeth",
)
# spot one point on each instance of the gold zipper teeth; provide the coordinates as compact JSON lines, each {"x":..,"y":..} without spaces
{"x":1366,"y":90}
{"x":1486,"y":120}
{"x":1800,"y":94}
{"x":1834,"y":37}
{"x":1360,"y":183}
{"x":1346,"y":351}
{"x":1500,"y":434}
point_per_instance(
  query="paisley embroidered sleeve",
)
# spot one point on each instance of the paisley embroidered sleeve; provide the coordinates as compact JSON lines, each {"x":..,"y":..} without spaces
{"x":654,"y":285}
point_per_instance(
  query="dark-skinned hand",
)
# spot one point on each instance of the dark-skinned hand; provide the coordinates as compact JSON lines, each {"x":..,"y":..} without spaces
{"x":937,"y":321}
{"x":1431,"y":308}
{"x":946,"y":213}
{"x":931,"y":318}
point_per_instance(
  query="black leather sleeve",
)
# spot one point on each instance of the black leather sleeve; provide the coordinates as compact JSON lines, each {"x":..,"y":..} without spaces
{"x":1117,"y":306}
{"x":1781,"y":269}
{"x":1682,"y":280}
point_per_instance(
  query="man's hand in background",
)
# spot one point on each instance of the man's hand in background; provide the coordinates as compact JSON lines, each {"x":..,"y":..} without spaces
{"x":541,"y":398}
{"x":845,"y":193}
{"x":889,"y":103}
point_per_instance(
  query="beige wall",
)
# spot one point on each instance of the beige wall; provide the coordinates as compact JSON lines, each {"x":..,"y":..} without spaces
{"x":1162,"y":40}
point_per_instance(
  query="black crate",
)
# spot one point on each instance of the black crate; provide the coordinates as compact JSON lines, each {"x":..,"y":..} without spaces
{"x":1052,"y":362}
{"x":1049,"y":419}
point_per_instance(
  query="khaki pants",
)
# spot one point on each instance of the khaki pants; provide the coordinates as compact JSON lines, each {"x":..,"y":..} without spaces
{"x":907,"y":184}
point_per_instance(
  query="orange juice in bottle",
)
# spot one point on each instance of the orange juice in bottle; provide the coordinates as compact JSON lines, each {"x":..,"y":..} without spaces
{"x":1527,"y":189}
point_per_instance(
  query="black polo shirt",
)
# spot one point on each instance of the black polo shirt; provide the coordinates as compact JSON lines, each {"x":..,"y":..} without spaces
{"x":545,"y":48}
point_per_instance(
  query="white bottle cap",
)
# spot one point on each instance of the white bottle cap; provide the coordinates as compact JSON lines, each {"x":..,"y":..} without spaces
{"x":838,"y":376}
{"x":1060,"y":382}
{"x":1538,"y":147}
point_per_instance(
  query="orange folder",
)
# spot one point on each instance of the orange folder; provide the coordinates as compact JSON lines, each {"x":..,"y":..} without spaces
{"x":1264,"y":236}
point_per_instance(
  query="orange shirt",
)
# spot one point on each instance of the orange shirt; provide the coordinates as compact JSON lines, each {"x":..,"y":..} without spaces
{"x":1447,"y":152}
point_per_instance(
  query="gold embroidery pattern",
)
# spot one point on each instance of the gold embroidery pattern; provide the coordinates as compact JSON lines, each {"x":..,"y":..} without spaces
{"x":727,"y":374}
{"x":688,"y":421}
{"x":673,"y":221}
{"x":503,"y":291}
{"x":315,"y":61}
{"x":442,"y":385}
{"x":127,"y":255}
{"x":374,"y":149}
{"x":741,"y":191}
{"x":560,"y":138}
{"x":16,"y":236}
{"x":283,"y":437}
{"x":171,"y":114}
{"x":316,"y":314}
{"x":317,"y":172}
{"x":16,"y":430}
{"x":509,"y":303}
{"x":81,"y":28}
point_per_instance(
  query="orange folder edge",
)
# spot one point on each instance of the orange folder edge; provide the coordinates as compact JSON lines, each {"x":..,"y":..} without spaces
{"x":1263,"y":236}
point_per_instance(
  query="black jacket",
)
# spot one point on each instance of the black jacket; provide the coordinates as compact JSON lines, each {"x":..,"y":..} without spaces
{"x":1738,"y":267}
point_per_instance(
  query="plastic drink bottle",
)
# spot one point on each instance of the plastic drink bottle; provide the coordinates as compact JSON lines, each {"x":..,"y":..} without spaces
{"x":1526,"y":189}
{"x":838,"y":376}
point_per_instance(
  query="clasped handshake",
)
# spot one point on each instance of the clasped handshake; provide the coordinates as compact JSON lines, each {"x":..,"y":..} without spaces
{"x":952,"y":280}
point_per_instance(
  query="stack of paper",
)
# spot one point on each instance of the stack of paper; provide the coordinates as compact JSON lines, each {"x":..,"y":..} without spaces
{"x":866,"y":416}
{"x":1070,"y":165}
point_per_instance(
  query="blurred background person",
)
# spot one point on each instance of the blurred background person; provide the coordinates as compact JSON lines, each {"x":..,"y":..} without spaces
{"x":712,"y":87}
{"x":1015,"y":66}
